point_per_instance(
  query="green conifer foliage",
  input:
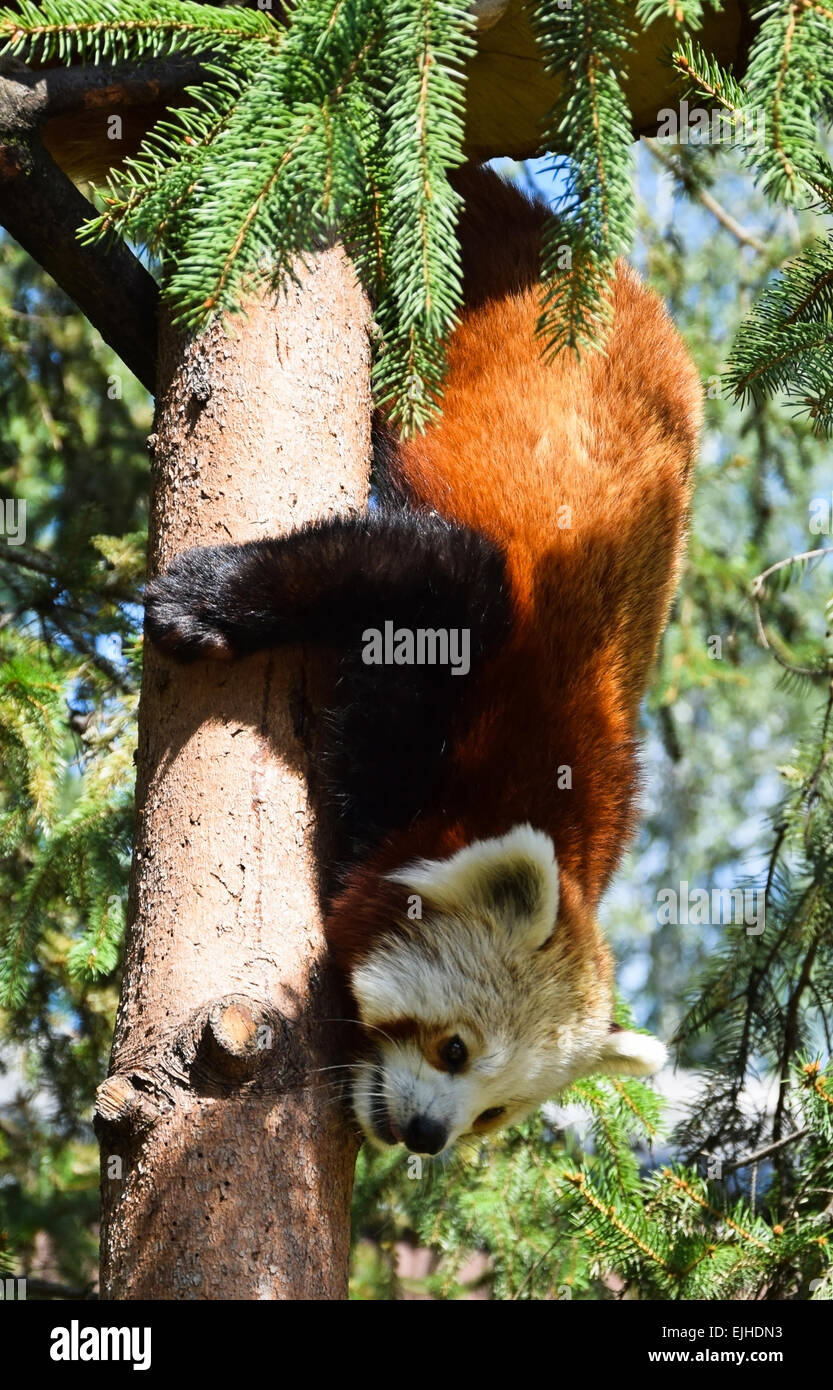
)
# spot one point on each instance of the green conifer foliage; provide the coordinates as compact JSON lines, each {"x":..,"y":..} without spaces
{"x":347,"y":117}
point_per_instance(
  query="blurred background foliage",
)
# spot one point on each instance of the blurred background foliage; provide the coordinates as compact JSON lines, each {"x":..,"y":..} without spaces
{"x":616,"y":1190}
{"x":72,"y":423}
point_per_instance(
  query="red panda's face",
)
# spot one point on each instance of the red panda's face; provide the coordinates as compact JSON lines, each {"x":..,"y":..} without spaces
{"x":481,"y":1006}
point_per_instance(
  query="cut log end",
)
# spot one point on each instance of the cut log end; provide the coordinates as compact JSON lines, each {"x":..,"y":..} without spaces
{"x":122,"y":1108}
{"x":238,"y":1037}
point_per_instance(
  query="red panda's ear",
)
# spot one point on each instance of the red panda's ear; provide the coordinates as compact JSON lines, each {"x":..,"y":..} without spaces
{"x":631,"y":1054}
{"x":513,"y":878}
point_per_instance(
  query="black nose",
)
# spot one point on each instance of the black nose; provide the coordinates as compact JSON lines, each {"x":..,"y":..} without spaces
{"x":424,"y":1136}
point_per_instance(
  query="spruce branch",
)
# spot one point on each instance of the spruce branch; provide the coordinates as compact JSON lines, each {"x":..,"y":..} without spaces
{"x":686,"y":1186}
{"x":586,"y":47}
{"x":687,"y":14}
{"x":790,"y":79}
{"x":704,"y":75}
{"x":626,"y":1226}
{"x":27,"y":558}
{"x":791,"y":1033}
{"x":786,"y":342}
{"x":97,"y":31}
{"x":775,"y":111}
{"x":222,"y":208}
{"x":426,"y":42}
{"x":163,"y":177}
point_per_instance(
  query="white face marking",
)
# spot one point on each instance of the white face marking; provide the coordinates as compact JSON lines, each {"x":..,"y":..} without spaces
{"x":530,"y":1020}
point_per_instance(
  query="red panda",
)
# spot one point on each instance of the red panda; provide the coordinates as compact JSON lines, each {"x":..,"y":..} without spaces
{"x":496,"y":616}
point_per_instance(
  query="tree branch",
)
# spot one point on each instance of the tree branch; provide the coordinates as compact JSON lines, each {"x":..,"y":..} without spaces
{"x":758,"y":592}
{"x":88,"y":651}
{"x":27,"y":559}
{"x":46,"y":563}
{"x":30,"y":97}
{"x":764,"y":1152}
{"x":43,"y":210}
{"x":710,"y":203}
{"x":48,"y":1289}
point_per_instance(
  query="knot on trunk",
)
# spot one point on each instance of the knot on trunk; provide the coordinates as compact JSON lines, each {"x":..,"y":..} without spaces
{"x":123,"y":1109}
{"x":238,"y":1037}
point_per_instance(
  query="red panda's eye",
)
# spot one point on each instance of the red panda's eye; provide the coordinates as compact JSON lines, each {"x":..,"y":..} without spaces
{"x":454,"y":1053}
{"x":492,"y":1114}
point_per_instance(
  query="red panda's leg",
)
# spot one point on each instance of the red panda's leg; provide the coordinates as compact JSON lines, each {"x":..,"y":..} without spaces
{"x":412,"y":603}
{"x":328,"y":582}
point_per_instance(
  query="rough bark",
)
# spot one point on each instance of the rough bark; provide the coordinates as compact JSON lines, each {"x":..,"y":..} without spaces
{"x":226,"y":1161}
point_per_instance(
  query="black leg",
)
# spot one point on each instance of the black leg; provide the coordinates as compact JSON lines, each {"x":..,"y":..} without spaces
{"x":327,"y":583}
{"x":369,"y":586}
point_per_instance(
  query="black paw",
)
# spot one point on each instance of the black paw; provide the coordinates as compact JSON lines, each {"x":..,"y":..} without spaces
{"x":187,"y":607}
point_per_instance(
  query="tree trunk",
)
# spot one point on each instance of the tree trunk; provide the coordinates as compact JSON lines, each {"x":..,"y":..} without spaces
{"x":226,"y":1160}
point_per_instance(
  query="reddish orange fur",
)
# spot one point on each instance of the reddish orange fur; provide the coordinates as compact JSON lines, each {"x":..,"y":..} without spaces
{"x":613,"y":438}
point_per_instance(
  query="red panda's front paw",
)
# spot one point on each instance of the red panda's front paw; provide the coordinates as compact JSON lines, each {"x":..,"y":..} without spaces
{"x":187,"y":608}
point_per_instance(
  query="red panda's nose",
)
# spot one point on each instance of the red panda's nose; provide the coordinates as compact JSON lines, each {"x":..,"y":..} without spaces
{"x":424,"y":1136}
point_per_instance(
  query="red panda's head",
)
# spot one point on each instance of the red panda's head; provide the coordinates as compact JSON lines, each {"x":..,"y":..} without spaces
{"x":490,"y":993}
